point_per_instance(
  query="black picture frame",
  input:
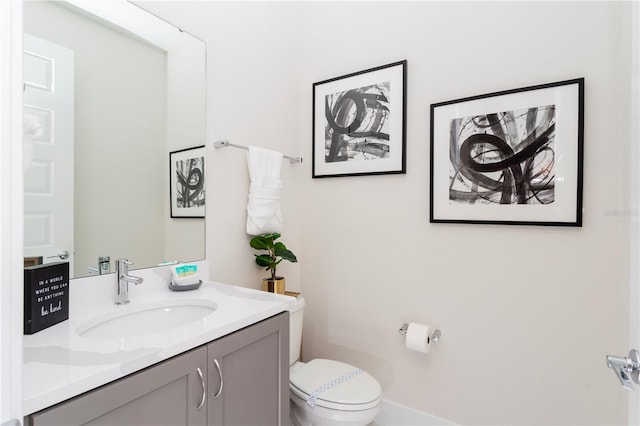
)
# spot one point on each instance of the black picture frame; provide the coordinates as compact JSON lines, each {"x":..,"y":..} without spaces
{"x":187,"y":182}
{"x":513,"y":157}
{"x":359,"y":123}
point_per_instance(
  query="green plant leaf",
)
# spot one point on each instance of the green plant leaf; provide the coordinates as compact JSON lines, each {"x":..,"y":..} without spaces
{"x":259,"y":243}
{"x":263,"y":260}
{"x":276,"y":252}
{"x":287,"y":255}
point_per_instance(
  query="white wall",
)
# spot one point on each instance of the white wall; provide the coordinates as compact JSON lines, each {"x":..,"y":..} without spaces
{"x":11,"y":218}
{"x":186,"y":128}
{"x":634,"y":135}
{"x":527,"y":313}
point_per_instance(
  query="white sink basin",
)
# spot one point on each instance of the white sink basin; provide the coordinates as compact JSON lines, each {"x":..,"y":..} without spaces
{"x":137,"y":320}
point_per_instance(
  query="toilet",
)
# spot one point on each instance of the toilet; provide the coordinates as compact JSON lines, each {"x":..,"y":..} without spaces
{"x":327,"y":392}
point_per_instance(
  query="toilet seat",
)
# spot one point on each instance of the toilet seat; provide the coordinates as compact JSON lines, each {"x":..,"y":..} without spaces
{"x":335,"y":385}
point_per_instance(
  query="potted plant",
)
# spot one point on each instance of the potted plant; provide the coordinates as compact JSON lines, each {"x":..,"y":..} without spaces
{"x":276,"y":252}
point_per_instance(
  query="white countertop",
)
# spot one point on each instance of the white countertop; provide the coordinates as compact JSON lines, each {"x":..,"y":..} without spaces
{"x":60,"y":364}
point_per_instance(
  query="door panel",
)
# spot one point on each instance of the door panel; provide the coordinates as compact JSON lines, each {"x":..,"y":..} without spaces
{"x":249,"y":376}
{"x":48,"y":150}
{"x":166,"y":394}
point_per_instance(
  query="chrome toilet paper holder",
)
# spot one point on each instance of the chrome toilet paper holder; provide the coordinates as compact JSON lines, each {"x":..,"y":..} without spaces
{"x":435,"y":336}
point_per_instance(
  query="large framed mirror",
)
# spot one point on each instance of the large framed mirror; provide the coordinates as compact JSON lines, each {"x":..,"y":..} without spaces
{"x":110,"y":90}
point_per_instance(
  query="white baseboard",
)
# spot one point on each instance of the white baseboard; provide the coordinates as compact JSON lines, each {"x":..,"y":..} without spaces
{"x":399,"y":415}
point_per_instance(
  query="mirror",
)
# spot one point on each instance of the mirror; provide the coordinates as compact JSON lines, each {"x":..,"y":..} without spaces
{"x":120,"y":89}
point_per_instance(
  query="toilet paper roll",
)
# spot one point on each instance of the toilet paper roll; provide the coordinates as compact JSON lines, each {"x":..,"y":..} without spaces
{"x":418,"y":338}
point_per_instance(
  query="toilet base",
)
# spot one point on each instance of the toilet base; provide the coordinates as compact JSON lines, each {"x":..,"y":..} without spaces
{"x":302,"y":414}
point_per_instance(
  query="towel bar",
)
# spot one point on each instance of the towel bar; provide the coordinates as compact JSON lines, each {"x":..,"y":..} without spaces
{"x":226,"y":143}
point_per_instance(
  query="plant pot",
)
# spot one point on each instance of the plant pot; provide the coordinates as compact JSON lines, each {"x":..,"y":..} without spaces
{"x":273,"y":286}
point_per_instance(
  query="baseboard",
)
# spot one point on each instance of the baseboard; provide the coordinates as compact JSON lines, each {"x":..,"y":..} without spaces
{"x":394,"y":414}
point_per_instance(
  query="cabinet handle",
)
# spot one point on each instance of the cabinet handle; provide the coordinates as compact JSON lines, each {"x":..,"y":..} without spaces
{"x":215,"y":361}
{"x":204,"y":389}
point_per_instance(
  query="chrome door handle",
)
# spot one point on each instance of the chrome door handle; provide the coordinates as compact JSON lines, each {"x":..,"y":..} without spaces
{"x":204,"y":389}
{"x":626,"y":368}
{"x":62,"y":255}
{"x":215,"y":361}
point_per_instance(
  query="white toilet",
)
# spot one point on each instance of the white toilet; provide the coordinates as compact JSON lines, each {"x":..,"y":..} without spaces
{"x":326,"y":392}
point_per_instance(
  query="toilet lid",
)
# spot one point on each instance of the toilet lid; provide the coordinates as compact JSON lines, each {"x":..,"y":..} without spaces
{"x":336,"y":385}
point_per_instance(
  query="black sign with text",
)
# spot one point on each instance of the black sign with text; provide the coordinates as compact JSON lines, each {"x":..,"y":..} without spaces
{"x":46,"y":296}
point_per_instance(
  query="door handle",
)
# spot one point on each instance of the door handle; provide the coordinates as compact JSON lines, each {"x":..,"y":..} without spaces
{"x":626,"y":368}
{"x":62,"y":255}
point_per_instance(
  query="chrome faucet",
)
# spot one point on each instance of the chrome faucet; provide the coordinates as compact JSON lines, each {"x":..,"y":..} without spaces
{"x":626,"y":368}
{"x":122,"y":281}
{"x":104,"y":264}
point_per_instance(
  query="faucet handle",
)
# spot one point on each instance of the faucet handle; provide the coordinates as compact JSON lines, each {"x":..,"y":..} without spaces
{"x":122,"y":266}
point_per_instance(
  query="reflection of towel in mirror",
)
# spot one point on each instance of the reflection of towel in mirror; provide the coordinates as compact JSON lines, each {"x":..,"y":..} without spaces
{"x":263,"y":209}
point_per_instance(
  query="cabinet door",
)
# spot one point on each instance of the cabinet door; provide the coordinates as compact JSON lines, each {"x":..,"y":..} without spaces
{"x":249,"y":375}
{"x":165,"y":394}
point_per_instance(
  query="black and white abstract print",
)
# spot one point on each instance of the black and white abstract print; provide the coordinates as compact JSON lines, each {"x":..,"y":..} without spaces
{"x":190,"y":182}
{"x":357,"y":126}
{"x":503,"y":157}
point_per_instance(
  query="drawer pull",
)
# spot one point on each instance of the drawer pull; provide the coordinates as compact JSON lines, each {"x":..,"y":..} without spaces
{"x":215,"y":361}
{"x":204,"y":389}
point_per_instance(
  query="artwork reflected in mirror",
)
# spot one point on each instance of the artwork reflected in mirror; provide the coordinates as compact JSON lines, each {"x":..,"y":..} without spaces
{"x":187,"y":189}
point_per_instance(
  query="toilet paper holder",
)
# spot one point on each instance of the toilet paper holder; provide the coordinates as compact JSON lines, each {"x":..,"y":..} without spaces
{"x":435,"y":336}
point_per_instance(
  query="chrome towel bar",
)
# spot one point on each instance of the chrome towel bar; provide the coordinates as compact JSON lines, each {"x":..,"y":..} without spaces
{"x":226,"y":143}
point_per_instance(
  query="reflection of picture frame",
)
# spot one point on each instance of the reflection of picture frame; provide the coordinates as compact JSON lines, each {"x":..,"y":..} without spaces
{"x":512,"y":157}
{"x":187,"y":182}
{"x":359,"y":123}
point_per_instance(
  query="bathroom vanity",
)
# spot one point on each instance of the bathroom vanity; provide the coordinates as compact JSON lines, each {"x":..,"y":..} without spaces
{"x":229,"y":365}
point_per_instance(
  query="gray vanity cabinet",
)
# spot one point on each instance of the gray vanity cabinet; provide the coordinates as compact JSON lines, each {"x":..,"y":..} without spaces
{"x":249,"y":375}
{"x":245,"y":376}
{"x":164,"y":394}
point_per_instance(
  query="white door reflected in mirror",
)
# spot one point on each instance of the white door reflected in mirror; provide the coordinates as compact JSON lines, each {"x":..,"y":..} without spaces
{"x":48,"y":151}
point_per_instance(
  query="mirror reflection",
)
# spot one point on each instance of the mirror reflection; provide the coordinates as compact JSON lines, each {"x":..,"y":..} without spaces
{"x":109,"y":93}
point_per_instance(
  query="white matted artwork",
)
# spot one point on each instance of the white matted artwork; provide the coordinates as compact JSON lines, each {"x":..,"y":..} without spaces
{"x":359,"y":123}
{"x":187,"y":183}
{"x":512,"y":157}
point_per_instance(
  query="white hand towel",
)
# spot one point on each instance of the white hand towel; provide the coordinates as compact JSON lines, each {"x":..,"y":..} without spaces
{"x":263,"y":209}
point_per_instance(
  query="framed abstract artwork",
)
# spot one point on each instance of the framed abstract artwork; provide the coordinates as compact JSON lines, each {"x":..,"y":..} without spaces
{"x":187,"y":183}
{"x":359,"y":123}
{"x":512,"y":157}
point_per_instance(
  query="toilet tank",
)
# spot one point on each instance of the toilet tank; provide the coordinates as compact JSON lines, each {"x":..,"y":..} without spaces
{"x":296,"y":314}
